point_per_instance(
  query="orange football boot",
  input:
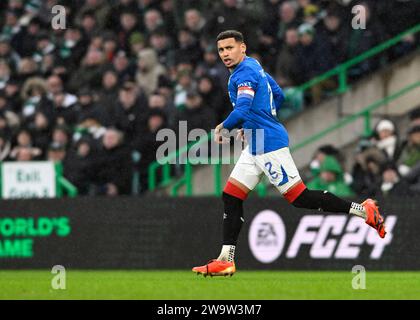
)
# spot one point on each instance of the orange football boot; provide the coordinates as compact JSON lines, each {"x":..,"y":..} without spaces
{"x":373,"y":218}
{"x":216,"y":268}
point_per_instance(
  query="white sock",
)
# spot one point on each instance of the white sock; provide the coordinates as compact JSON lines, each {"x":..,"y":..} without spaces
{"x":227,"y":253}
{"x":357,"y":209}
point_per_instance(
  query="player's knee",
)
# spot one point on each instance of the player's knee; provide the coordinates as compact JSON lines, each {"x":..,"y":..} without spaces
{"x":231,"y":200}
{"x":295,"y":195}
{"x":232,"y":190}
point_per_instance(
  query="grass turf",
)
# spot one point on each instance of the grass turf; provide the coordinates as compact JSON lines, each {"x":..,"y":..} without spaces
{"x":159,"y":285}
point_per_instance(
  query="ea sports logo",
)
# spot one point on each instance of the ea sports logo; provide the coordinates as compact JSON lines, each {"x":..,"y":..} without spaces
{"x":267,"y":236}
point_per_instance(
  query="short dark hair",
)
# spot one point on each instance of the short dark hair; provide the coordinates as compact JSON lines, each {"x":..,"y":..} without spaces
{"x":238,"y":36}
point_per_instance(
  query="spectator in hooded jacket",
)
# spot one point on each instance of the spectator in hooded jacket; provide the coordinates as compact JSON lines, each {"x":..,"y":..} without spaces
{"x":331,"y":179}
{"x":386,"y":139}
{"x":149,"y":71}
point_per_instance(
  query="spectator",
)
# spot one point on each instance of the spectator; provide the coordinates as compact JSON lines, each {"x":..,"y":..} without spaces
{"x":333,"y":31}
{"x":168,"y":11}
{"x":90,"y":72}
{"x":415,"y":117}
{"x":153,"y":21}
{"x":12,"y":93}
{"x":392,"y":183}
{"x":61,"y":135}
{"x":214,"y":97}
{"x":11,"y":27}
{"x":72,"y":48}
{"x":189,"y":48}
{"x":128,"y":25}
{"x":147,"y":144}
{"x":319,"y":157}
{"x":273,"y":32}
{"x":194,"y":22}
{"x":410,"y":156}
{"x":100,"y":9}
{"x":122,"y":66}
{"x":130,"y":111}
{"x":26,"y":45}
{"x":331,"y":179}
{"x":41,"y":131}
{"x":12,"y":120}
{"x":24,"y":148}
{"x":149,"y":71}
{"x":212,"y":66}
{"x":89,"y":24}
{"x":108,"y":95}
{"x":34,"y":94}
{"x":361,"y":40}
{"x":8,"y":55}
{"x":24,"y":154}
{"x":56,"y":152}
{"x":118,"y":8}
{"x":308,"y":11}
{"x":80,"y":163}
{"x":88,"y":109}
{"x":114,"y":167}
{"x":286,"y":66}
{"x":185,"y":83}
{"x":196,"y":114}
{"x":44,"y":46}
{"x":226,"y":17}
{"x":314,"y":57}
{"x":64,"y":110}
{"x":28,"y":68}
{"x":55,"y":86}
{"x":158,"y":101}
{"x":162,"y":45}
{"x":386,"y":139}
{"x":137,"y":44}
{"x":367,"y":169}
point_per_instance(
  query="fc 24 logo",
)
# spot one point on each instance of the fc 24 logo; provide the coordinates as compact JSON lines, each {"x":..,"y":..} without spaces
{"x":329,"y":237}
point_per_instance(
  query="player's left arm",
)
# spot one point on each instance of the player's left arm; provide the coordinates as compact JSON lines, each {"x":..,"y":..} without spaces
{"x":246,"y":86}
{"x":278,"y":94}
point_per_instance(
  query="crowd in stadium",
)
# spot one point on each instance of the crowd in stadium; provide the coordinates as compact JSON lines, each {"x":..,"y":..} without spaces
{"x":92,"y":93}
{"x":387,"y":163}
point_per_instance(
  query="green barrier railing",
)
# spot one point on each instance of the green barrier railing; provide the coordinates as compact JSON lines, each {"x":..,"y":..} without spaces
{"x":62,"y":184}
{"x":340,"y":71}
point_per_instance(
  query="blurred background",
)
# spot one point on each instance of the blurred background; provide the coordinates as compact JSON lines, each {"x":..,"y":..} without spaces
{"x":80,"y":107}
{"x":91,"y":97}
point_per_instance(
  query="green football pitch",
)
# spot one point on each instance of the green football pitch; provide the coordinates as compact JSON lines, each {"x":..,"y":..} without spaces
{"x":157,"y":285}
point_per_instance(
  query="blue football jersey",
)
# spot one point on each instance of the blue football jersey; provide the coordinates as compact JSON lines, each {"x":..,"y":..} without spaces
{"x":256,"y":99}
